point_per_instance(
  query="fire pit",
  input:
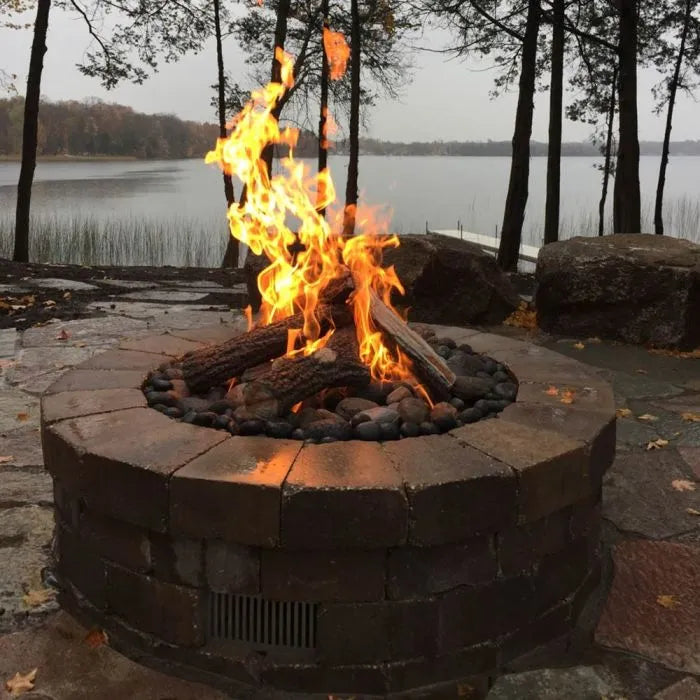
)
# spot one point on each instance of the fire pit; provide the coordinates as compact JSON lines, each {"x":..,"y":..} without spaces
{"x":357,"y":567}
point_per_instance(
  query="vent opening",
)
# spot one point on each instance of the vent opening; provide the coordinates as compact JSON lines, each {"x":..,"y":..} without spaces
{"x":262,"y":623}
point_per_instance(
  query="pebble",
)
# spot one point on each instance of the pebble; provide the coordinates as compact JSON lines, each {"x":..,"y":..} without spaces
{"x":205,"y":418}
{"x":398,"y":395}
{"x":278,"y":429}
{"x":160,"y":384}
{"x":506,"y":390}
{"x":233,"y":428}
{"x":428,"y":428}
{"x":298,"y":434}
{"x":413,"y":410}
{"x":457,"y":403}
{"x":252,"y":427}
{"x":381,"y":414}
{"x":443,"y":351}
{"x":448,"y":342}
{"x":180,"y":387}
{"x":173,"y":412}
{"x":470,"y":415}
{"x":369,"y":431}
{"x":215,"y":393}
{"x":349,"y":407}
{"x":482,"y":374}
{"x":167,"y":398}
{"x":173,"y":373}
{"x":501,"y":376}
{"x":470,"y":389}
{"x":329,"y":428}
{"x":389,"y":431}
{"x":221,"y":422}
{"x":444,"y":416}
{"x":490,"y":366}
{"x":465,"y":347}
{"x":328,"y":440}
{"x":483,"y":406}
{"x":410,"y":430}
{"x":195,"y":403}
{"x":189,"y":417}
{"x":161,"y":408}
{"x":222,"y":406}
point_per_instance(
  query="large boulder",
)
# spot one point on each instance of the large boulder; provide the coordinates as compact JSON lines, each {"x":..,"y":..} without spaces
{"x":637,"y":288}
{"x":447,"y":281}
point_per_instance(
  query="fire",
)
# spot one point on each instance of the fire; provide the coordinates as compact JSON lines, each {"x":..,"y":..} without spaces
{"x":295,"y":281}
{"x":337,"y":51}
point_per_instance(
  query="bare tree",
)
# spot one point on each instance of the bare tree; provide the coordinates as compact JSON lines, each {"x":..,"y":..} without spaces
{"x":353,"y":164}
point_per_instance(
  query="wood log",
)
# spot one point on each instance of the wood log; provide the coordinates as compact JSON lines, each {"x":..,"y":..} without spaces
{"x":293,"y":379}
{"x":213,"y":366}
{"x":428,"y":366}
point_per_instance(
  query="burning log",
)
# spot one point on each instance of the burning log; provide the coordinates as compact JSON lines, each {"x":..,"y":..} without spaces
{"x":208,"y":367}
{"x":290,"y":380}
{"x":428,"y":366}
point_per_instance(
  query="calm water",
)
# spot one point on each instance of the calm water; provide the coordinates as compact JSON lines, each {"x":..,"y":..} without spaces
{"x":439,"y":191}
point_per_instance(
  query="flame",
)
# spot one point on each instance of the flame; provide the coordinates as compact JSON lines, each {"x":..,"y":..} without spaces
{"x":295,"y":280}
{"x":337,"y":52}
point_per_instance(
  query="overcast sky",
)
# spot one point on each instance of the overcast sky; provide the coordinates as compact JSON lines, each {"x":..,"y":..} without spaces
{"x":446,"y":100}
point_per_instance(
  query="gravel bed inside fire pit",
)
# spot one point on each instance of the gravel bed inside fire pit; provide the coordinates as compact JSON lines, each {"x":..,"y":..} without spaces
{"x":377,"y":412}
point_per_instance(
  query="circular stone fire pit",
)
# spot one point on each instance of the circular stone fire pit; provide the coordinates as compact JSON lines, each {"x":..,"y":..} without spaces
{"x":367,"y":568}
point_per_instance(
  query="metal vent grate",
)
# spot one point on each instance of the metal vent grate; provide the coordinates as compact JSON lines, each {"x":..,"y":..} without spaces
{"x":262,"y":623}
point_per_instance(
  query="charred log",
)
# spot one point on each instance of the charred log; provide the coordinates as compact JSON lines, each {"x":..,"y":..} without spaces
{"x":428,"y":366}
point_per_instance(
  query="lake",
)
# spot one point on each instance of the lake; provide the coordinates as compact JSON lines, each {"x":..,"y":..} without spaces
{"x":171,"y":212}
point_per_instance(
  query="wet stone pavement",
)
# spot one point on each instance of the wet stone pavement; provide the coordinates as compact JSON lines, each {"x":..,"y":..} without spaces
{"x":639,"y":637}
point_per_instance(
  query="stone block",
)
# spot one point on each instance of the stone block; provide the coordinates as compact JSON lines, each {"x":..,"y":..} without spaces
{"x":356,"y":633}
{"x":552,"y":469}
{"x":329,"y":575}
{"x":177,"y":559}
{"x":74,"y":404}
{"x":346,"y":494}
{"x":116,"y":540}
{"x":232,"y":568}
{"x":475,"y":614}
{"x":415,"y":572}
{"x":164,"y":344}
{"x":78,"y":564}
{"x":148,"y":605}
{"x":241,"y":476}
{"x":330,"y":681}
{"x":93,"y":379}
{"x":120,"y":462}
{"x":560,"y":575}
{"x":454,"y":492}
{"x":125,"y":360}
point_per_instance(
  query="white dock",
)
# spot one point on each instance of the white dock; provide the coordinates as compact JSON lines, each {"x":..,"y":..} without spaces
{"x":528,"y":253}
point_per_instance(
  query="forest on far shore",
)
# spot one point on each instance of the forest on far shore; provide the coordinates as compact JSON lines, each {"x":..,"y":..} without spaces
{"x":96,"y":128}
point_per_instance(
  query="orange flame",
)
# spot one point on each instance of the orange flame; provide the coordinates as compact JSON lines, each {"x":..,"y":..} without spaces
{"x":337,"y":52}
{"x":294,"y":282}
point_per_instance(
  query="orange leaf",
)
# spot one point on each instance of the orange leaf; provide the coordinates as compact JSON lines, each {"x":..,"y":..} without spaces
{"x":683,"y":485}
{"x":7,"y":459}
{"x":667,"y":601}
{"x":96,"y":637}
{"x":692,"y":511}
{"x":63,"y":335}
{"x":21,"y":683}
{"x":33,"y":599}
{"x":647,"y":417}
{"x":579,"y":346}
{"x":691,"y":417}
{"x":22,"y":416}
{"x":552,"y":391}
{"x":623,"y":412}
{"x":657,"y":444}
{"x":567,"y":396}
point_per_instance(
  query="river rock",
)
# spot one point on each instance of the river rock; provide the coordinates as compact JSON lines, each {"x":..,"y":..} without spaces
{"x":398,"y":395}
{"x":347,"y":408}
{"x":637,"y":288}
{"x":369,"y":430}
{"x":381,"y":414}
{"x":444,"y":415}
{"x":450,"y":281}
{"x":413,"y":410}
{"x":470,"y":389}
{"x":337,"y":429}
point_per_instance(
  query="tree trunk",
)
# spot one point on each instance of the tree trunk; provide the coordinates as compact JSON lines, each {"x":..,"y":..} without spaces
{"x":516,"y":201}
{"x":673,"y":89}
{"x":608,"y":153}
{"x":30,"y":132}
{"x":323,"y":120}
{"x":353,"y":165}
{"x":556,"y":100}
{"x":231,"y":254}
{"x":627,"y":205}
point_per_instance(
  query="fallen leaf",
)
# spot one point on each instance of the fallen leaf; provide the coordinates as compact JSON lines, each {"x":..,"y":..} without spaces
{"x":657,"y":444}
{"x":623,"y":412}
{"x":691,"y":417}
{"x":33,"y":599}
{"x":567,"y":397}
{"x":692,"y":355}
{"x":79,"y":344}
{"x":667,"y":601}
{"x":96,"y":637}
{"x":49,"y":302}
{"x":7,"y":459}
{"x":67,"y":295}
{"x":579,"y":346}
{"x":63,"y":335}
{"x":525,"y":316}
{"x":6,"y":363}
{"x":552,"y":391}
{"x":683,"y":485}
{"x":641,"y":371}
{"x":22,"y":416}
{"x":692,"y":511}
{"x":647,"y":417}
{"x":597,"y":341}
{"x":20,"y":683}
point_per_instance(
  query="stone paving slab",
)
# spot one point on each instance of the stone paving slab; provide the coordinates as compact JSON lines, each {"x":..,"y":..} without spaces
{"x":89,"y":331}
{"x":687,"y":689}
{"x":60,"y":284}
{"x":69,"y":668}
{"x":654,"y":605}
{"x":164,"y":295}
{"x":23,"y":445}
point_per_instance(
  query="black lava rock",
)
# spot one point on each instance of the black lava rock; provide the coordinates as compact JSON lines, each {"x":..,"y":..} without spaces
{"x":470,"y":389}
{"x":506,"y":390}
{"x":221,"y":422}
{"x":222,"y":405}
{"x":500,"y":376}
{"x":161,"y":384}
{"x":389,"y":431}
{"x":173,"y":412}
{"x":465,"y":347}
{"x":205,"y":419}
{"x":483,"y":406}
{"x":457,"y":403}
{"x":448,"y":342}
{"x":410,"y":430}
{"x":329,"y":428}
{"x":470,"y":415}
{"x":189,"y":417}
{"x":490,"y":365}
{"x":428,"y":428}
